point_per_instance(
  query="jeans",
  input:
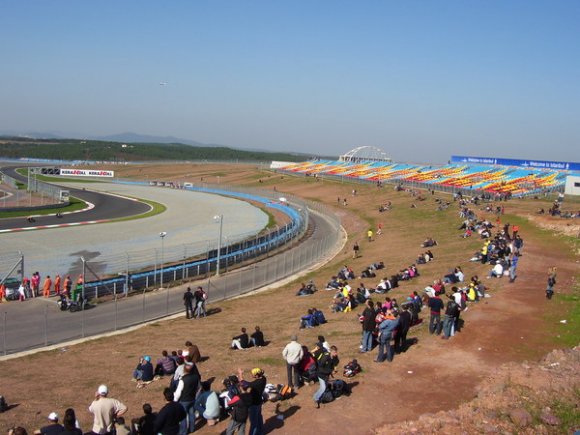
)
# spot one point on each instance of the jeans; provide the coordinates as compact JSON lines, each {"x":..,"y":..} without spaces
{"x":448,"y":323}
{"x":188,"y":311}
{"x":187,"y":425}
{"x":137,"y":374}
{"x":200,"y":309}
{"x":512,"y":273}
{"x":321,"y":389}
{"x":385,"y":348}
{"x":435,"y":324}
{"x":367,"y":341}
{"x":256,"y":420}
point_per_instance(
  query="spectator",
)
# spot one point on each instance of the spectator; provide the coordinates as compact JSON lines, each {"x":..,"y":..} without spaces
{"x":105,"y":410}
{"x":144,"y":370}
{"x":239,"y":411}
{"x":185,"y":395}
{"x":54,"y":428}
{"x":193,"y":352}
{"x":293,"y":355}
{"x":256,"y":389}
{"x":386,"y":329}
{"x":188,"y":303}
{"x":240,"y":341}
{"x":145,"y":425}
{"x":165,"y":365}
{"x":327,"y":363}
{"x":436,"y":305}
{"x":170,"y":417}
{"x":257,"y":338}
{"x":207,"y":404}
{"x":368,"y":326}
{"x":70,"y":423}
{"x":200,"y":297}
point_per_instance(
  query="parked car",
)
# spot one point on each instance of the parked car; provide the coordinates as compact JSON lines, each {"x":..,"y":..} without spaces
{"x":12,"y":285}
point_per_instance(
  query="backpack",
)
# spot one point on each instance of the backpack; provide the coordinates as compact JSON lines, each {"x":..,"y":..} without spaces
{"x":238,"y":409}
{"x":285,"y":391}
{"x":352,"y":368}
{"x":327,"y":396}
{"x":3,"y":404}
{"x":338,"y":388}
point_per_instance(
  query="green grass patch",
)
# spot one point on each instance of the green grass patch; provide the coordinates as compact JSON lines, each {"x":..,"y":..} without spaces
{"x":269,"y":361}
{"x":75,"y":205}
{"x":156,"y":208}
{"x":568,"y":414}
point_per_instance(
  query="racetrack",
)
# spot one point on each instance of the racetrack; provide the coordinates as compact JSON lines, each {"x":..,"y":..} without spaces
{"x":106,"y":207}
{"x":188,"y":220}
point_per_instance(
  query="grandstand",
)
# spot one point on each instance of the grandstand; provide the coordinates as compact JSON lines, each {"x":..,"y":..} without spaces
{"x":368,"y":164}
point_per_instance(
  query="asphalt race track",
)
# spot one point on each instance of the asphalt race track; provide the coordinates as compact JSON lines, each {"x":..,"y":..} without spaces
{"x":107,"y":207}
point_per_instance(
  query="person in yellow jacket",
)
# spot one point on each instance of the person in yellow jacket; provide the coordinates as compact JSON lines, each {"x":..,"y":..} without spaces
{"x":484,"y":252}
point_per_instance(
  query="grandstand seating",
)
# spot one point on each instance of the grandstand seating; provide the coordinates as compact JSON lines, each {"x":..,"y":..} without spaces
{"x":493,"y":178}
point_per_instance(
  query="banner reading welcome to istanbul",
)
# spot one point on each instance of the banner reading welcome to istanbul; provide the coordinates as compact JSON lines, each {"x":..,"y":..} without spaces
{"x":535,"y":164}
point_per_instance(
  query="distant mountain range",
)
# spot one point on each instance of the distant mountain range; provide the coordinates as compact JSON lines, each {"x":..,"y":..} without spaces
{"x":128,"y":137}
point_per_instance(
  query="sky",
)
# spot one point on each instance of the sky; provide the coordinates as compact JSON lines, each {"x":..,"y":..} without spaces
{"x":423,"y":80}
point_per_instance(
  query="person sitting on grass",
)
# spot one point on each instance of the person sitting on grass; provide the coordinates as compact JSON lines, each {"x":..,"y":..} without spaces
{"x":207,"y":404}
{"x":257,"y":338}
{"x":339,"y":303}
{"x":318,"y":317}
{"x":383,"y":286}
{"x":334,"y":283}
{"x":304,"y":291}
{"x":144,"y":370}
{"x":368,"y":273}
{"x":165,"y":365}
{"x":240,"y":341}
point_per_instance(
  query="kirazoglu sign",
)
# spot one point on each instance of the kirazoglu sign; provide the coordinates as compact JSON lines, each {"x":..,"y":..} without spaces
{"x":86,"y":173}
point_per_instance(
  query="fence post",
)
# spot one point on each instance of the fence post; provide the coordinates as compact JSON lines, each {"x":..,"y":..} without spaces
{"x":4,"y":333}
{"x":116,"y":309}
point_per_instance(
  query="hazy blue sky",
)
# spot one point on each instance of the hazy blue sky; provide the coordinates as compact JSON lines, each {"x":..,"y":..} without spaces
{"x":421,"y":79}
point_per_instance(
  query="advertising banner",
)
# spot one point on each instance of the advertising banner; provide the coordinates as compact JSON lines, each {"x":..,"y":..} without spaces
{"x":86,"y":173}
{"x":535,"y":164}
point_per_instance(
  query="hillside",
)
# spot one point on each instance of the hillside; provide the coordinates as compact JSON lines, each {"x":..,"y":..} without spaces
{"x":97,"y":150}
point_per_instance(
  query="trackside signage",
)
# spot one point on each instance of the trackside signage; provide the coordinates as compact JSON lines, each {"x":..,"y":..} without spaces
{"x":86,"y":173}
{"x":535,"y":164}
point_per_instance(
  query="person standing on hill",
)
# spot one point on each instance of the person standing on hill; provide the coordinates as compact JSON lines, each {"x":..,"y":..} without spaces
{"x":293,"y":354}
{"x":370,"y":235}
{"x":105,"y":410}
{"x":188,"y":303}
{"x":256,"y":389}
{"x":368,"y":326}
{"x":355,"y":250}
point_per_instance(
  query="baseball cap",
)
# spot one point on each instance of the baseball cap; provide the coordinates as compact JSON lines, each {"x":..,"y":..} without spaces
{"x":147,"y":358}
{"x":103,"y":390}
{"x":53,"y":416}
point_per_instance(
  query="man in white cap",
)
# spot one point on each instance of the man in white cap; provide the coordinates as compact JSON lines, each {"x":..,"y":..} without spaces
{"x":54,"y":428}
{"x":105,"y":410}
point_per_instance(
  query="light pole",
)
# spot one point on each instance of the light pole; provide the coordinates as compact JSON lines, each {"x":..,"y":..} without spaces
{"x":162,"y":235}
{"x":220,"y":219}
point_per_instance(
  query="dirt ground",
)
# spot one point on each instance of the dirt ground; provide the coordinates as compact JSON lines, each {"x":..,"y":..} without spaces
{"x":515,"y":324}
